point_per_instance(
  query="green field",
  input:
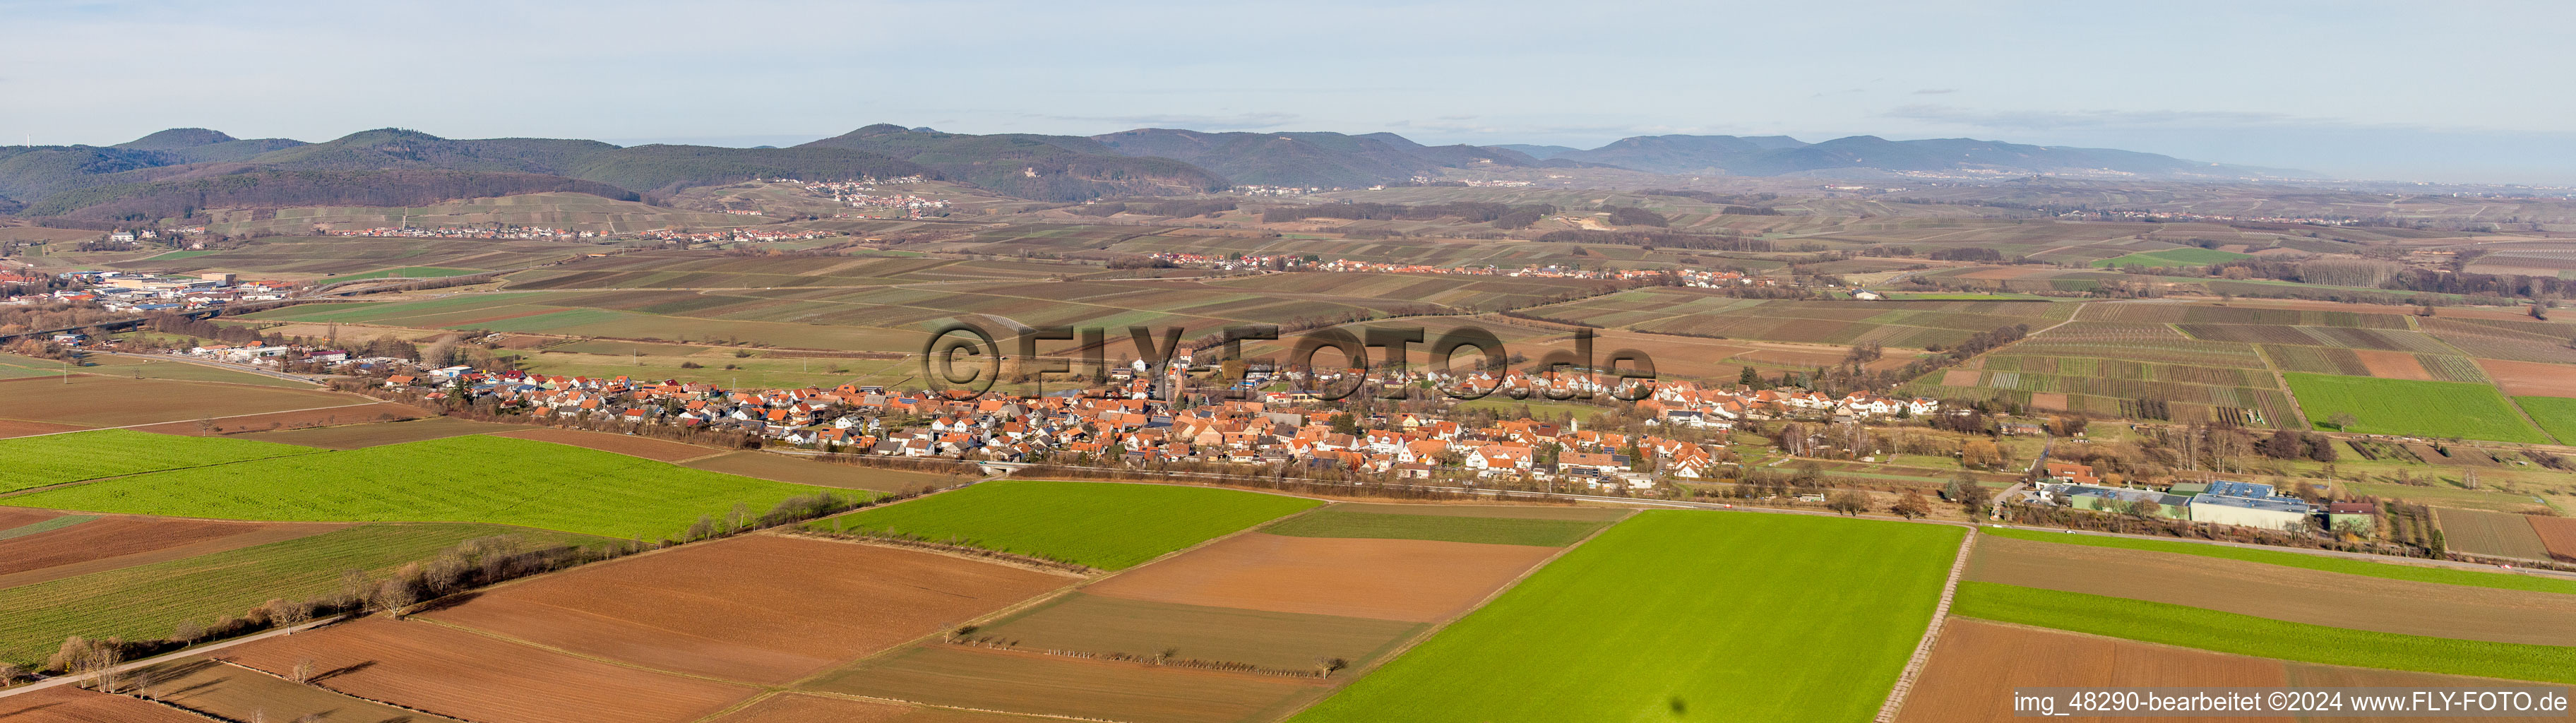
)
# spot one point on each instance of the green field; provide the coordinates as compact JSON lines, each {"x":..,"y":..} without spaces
{"x":1489,"y":530}
{"x":1680,"y":615}
{"x":2413,"y":408}
{"x":2389,"y":570}
{"x":2192,"y":627}
{"x":57,"y":458}
{"x":1106,"y":525}
{"x":45,"y":526}
{"x":472,"y":478}
{"x":2172,"y":257}
{"x":146,"y":601}
{"x":2556,"y":415}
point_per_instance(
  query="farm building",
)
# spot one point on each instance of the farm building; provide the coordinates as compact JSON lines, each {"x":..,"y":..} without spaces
{"x":2114,"y":499}
{"x":2363,"y":515}
{"x":2248,"y":504}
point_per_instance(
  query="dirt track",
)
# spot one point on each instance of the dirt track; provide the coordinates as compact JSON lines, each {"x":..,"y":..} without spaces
{"x":2282,"y":593}
{"x":1414,"y":580}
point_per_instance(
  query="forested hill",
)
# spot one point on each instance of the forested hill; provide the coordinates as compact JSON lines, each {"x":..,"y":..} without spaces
{"x":281,"y":189}
{"x":1052,"y":168}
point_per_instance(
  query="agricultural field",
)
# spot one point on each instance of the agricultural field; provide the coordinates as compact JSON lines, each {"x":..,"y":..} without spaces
{"x":211,"y":686}
{"x":2347,"y":566}
{"x":776,"y":620}
{"x":2289,"y":594}
{"x":2412,"y":408}
{"x":1845,"y":621}
{"x":107,"y":401}
{"x":59,"y":458}
{"x":360,"y":436}
{"x":537,"y":484}
{"x":1105,"y":525}
{"x":784,"y":468}
{"x":2187,"y":256}
{"x":69,"y":704}
{"x":280,"y":421}
{"x":2261,"y":637}
{"x":2556,"y":415}
{"x":1977,"y":664}
{"x":114,"y":365}
{"x":338,"y":258}
{"x":464,"y":675}
{"x":578,"y":211}
{"x":658,"y":450}
{"x":1558,"y":529}
{"x":807,"y":708}
{"x":1248,"y":629}
{"x":2558,"y":534}
{"x":71,"y":545}
{"x":2494,"y":534}
{"x":148,"y":600}
{"x":1911,"y":324}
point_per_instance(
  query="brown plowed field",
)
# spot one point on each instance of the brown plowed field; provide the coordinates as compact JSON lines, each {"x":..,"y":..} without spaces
{"x":15,"y":517}
{"x":66,"y":704}
{"x":360,"y":436}
{"x":97,"y":401}
{"x":1412,"y":580}
{"x":659,"y":450}
{"x":782,"y":468}
{"x":1508,"y":512}
{"x":2489,"y":533}
{"x":240,"y":693}
{"x":119,"y":535}
{"x":2393,"y":365}
{"x":2282,"y":593}
{"x":1975,"y":667}
{"x":372,"y":413}
{"x":16,"y":428}
{"x":1278,"y":641}
{"x":1959,"y":378}
{"x":2048,"y":400}
{"x":801,"y":708}
{"x":941,"y":674}
{"x":2558,"y":534}
{"x":117,"y":554}
{"x":2531,"y":379}
{"x":759,"y":608}
{"x":461,"y":674}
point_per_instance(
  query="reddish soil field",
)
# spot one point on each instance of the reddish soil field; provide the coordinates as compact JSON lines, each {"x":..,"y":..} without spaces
{"x":76,"y":552}
{"x":805,"y":708}
{"x":940,"y":674}
{"x":2556,"y":533}
{"x":460,"y":674}
{"x":2393,"y":365}
{"x":242,"y":694}
{"x":1412,"y":580}
{"x":1975,"y":667}
{"x":15,"y":517}
{"x":659,"y":450}
{"x":2048,"y":400}
{"x":16,"y":428}
{"x":387,"y":412}
{"x":110,"y":537}
{"x":758,"y":608}
{"x":1959,"y":378}
{"x":360,"y":436}
{"x":2312,"y":675}
{"x":2531,"y":379}
{"x":2282,"y":593}
{"x":66,"y":704}
{"x":118,"y":401}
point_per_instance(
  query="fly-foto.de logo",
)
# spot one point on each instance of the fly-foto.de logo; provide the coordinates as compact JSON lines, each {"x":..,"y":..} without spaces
{"x":1463,"y":362}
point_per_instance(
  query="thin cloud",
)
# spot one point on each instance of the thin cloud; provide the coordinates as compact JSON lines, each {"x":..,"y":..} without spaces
{"x":1936,"y":91}
{"x":1238,"y":121}
{"x":2050,"y":120}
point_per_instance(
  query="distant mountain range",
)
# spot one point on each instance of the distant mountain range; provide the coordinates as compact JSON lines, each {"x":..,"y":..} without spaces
{"x":174,"y":170}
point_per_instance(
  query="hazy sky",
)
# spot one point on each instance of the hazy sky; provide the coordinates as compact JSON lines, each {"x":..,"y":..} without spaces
{"x":2456,"y":91}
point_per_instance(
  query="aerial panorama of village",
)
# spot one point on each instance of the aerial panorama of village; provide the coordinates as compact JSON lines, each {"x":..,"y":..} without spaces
{"x":1404,"y":391}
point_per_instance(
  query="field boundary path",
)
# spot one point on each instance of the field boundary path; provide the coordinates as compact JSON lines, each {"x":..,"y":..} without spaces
{"x":169,"y":656}
{"x":1931,"y":635}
